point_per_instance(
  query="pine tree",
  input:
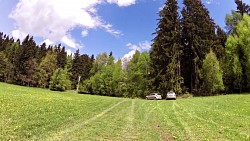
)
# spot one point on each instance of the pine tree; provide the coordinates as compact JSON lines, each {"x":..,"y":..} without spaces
{"x":26,"y":52}
{"x":220,"y":44}
{"x":76,"y":69}
{"x":41,"y":53}
{"x":166,"y":50}
{"x":242,"y":7}
{"x":61,"y":56}
{"x":198,"y":36}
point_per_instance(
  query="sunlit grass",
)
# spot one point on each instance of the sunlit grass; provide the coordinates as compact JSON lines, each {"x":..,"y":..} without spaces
{"x":40,"y":114}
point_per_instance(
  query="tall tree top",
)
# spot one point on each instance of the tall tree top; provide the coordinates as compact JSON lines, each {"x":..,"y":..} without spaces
{"x":242,"y":7}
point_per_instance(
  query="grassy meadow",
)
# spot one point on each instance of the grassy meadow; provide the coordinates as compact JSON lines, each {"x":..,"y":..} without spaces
{"x":40,"y":114}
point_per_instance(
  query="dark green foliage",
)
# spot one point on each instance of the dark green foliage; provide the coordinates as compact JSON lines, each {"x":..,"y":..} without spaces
{"x":81,"y":66}
{"x":25,"y":53}
{"x":3,"y":66}
{"x":75,"y":70}
{"x":166,"y":50}
{"x":41,"y":53}
{"x":198,"y":36}
{"x":60,"y":81}
{"x":31,"y":79}
{"x":242,"y":7}
{"x":219,"y":48}
{"x":61,"y":56}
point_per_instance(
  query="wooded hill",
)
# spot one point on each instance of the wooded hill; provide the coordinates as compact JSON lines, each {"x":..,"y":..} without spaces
{"x":189,"y":54}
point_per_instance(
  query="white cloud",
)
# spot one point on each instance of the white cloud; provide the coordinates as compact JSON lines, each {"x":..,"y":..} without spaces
{"x":47,"y":42}
{"x":142,"y":46}
{"x":55,"y":19}
{"x":70,"y":42}
{"x":212,"y":2}
{"x":85,"y":33}
{"x":18,"y":34}
{"x":122,"y":3}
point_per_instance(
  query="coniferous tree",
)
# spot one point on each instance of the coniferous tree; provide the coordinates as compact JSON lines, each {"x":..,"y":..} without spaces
{"x":61,"y":56}
{"x":41,"y":53}
{"x":3,"y":67}
{"x":198,"y":36}
{"x":86,"y":66}
{"x":166,"y":50}
{"x":76,"y":69}
{"x":1,"y":41}
{"x":242,"y":7}
{"x":219,"y":48}
{"x":26,"y":52}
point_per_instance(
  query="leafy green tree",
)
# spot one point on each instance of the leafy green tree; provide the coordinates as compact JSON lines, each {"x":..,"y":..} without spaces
{"x":99,"y":63}
{"x":237,"y":48}
{"x":60,"y":81}
{"x":109,"y":80}
{"x":166,"y":51}
{"x":212,"y":75}
{"x":11,"y":54}
{"x":119,"y":79}
{"x":31,"y":79}
{"x":46,"y":69}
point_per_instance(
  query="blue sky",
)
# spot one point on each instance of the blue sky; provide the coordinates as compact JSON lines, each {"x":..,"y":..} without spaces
{"x":93,"y":26}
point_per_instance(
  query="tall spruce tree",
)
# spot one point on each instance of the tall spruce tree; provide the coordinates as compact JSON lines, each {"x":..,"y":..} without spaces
{"x":242,"y":7}
{"x":166,"y":50}
{"x":75,"y":70}
{"x":198,"y":35}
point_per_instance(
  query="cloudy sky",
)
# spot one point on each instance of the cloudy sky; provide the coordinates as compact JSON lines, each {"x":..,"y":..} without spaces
{"x":93,"y":26}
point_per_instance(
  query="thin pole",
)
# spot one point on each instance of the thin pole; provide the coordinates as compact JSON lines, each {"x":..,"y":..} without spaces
{"x":79,"y":78}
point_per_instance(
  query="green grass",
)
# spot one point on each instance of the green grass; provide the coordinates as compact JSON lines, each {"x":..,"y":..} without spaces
{"x":40,"y":114}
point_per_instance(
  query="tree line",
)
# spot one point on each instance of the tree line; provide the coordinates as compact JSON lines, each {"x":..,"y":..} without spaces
{"x":189,"y":54}
{"x":28,"y":64}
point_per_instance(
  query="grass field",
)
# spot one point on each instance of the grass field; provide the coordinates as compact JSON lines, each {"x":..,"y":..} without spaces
{"x":39,"y":114}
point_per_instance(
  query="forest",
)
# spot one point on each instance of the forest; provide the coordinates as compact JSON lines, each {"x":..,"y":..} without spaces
{"x":190,"y":54}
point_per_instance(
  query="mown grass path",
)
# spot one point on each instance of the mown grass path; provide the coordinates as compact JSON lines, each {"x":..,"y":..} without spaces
{"x":39,"y":114}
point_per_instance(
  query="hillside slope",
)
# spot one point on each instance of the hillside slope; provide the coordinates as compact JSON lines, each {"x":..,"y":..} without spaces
{"x":40,"y":114}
